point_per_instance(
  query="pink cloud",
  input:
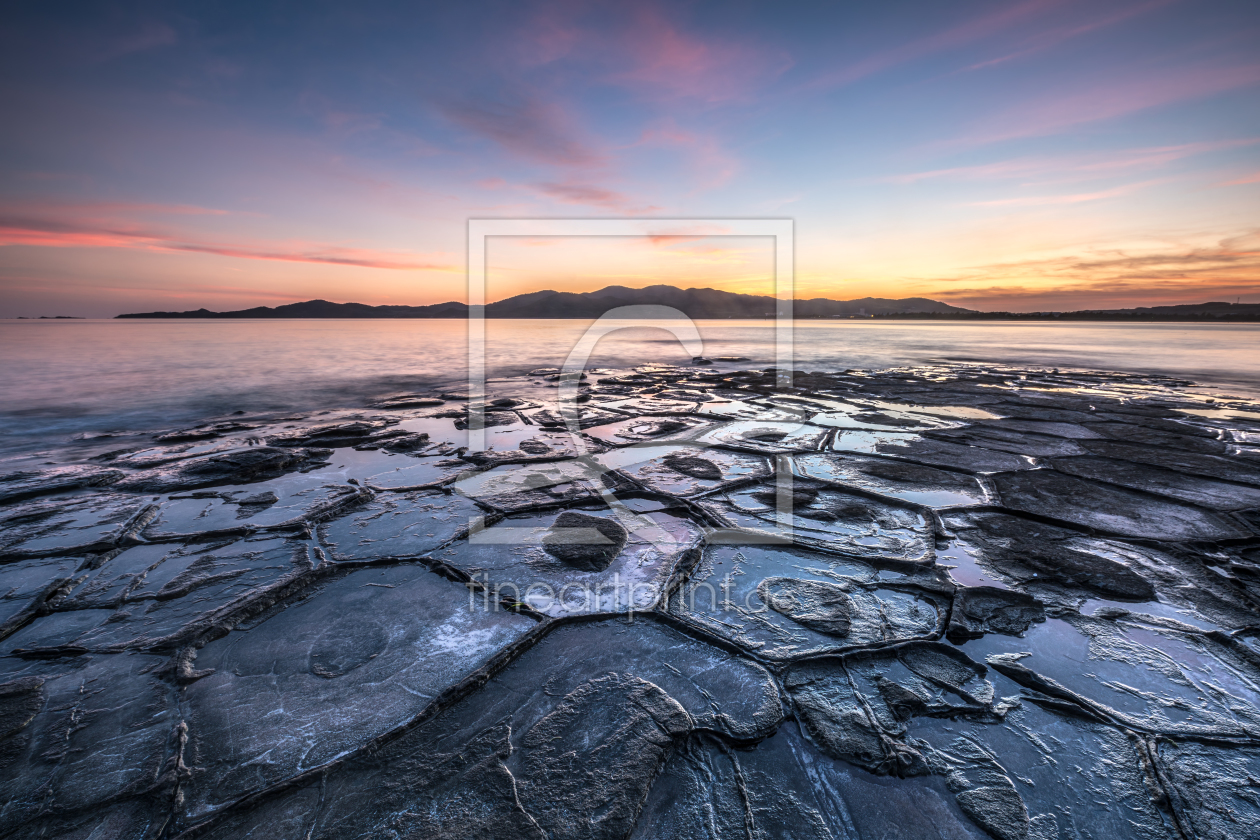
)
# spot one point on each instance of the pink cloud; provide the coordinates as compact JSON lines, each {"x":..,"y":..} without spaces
{"x":647,"y":51}
{"x":711,"y":164}
{"x":54,"y":234}
{"x":1049,"y":38}
{"x":1253,"y":178}
{"x":326,"y":254}
{"x":590,"y":195}
{"x":150,"y":35}
{"x":1110,"y":295}
{"x":19,"y":233}
{"x":143,"y":208}
{"x":1083,"y":167}
{"x":1107,"y":101}
{"x":666,"y":61}
{"x":1110,"y":278}
{"x":957,"y":36}
{"x":1077,"y":198}
{"x":549,"y":35}
{"x":528,"y":126}
{"x":110,"y":209}
{"x":583,"y":194}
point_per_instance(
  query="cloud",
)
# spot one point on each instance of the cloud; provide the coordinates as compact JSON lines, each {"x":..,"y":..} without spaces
{"x":1078,"y":198}
{"x":1079,"y":166}
{"x":327,"y":254}
{"x":150,"y":35}
{"x":710,"y":163}
{"x":1103,"y":101}
{"x":57,"y":234}
{"x":1253,"y":178}
{"x":549,"y":34}
{"x":1048,"y":38}
{"x":640,"y":47}
{"x":1110,"y":278}
{"x":956,"y":36}
{"x":1029,"y":298}
{"x":589,"y":195}
{"x":665,"y":61}
{"x":527,"y":126}
{"x":548,"y":64}
{"x":142,"y":208}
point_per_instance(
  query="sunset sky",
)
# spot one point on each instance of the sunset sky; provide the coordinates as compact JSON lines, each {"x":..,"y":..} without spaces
{"x":1022,"y":155}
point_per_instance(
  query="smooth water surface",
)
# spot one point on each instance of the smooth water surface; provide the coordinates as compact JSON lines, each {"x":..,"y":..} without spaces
{"x":66,"y":378}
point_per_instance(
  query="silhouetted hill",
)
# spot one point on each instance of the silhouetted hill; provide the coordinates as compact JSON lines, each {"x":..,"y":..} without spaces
{"x":1214,"y":311}
{"x":696,"y":303}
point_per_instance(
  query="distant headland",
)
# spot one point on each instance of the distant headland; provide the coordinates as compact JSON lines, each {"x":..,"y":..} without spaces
{"x":713,"y":304}
{"x":695,"y":303}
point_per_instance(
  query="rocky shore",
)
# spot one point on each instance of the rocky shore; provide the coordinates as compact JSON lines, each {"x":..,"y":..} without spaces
{"x":946,"y":602}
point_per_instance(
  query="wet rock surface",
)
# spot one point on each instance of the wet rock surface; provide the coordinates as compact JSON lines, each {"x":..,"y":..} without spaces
{"x":961,"y":601}
{"x":585,"y":542}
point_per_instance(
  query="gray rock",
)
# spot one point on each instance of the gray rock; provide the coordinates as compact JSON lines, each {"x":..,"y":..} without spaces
{"x":824,"y":607}
{"x":237,"y":466}
{"x":1110,"y":509}
{"x":986,"y":609}
{"x":693,"y":466}
{"x":26,"y":484}
{"x":585,"y":542}
{"x":1032,"y":552}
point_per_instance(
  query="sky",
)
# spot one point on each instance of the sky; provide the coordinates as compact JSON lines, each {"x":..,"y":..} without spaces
{"x":1021,"y":155}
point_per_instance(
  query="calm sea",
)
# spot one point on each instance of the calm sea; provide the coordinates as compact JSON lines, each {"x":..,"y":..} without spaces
{"x":62,"y":379}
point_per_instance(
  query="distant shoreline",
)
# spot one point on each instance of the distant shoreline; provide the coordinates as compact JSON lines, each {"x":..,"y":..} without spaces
{"x":1067,"y":317}
{"x":1005,"y":317}
{"x":712,"y":304}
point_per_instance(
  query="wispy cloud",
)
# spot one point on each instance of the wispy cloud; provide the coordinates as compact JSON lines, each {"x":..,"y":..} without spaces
{"x":709,"y":162}
{"x":69,"y":234}
{"x":1075,"y":198}
{"x":317,"y":253}
{"x":1110,"y":278}
{"x":528,"y":126}
{"x":1109,"y":100}
{"x":1253,"y":178}
{"x":647,"y":50}
{"x":589,"y":195}
{"x":663,"y":60}
{"x":1052,"y":37}
{"x":956,"y":36}
{"x":1076,"y":167}
{"x":149,"y":35}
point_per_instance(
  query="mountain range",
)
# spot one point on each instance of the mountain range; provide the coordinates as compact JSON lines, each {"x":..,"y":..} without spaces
{"x":707,"y":304}
{"x":695,"y":303}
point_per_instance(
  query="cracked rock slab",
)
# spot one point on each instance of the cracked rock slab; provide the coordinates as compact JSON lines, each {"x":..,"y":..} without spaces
{"x":403,"y":524}
{"x":1110,"y":509}
{"x":70,"y":524}
{"x":514,"y":559}
{"x":235,"y":466}
{"x":911,"y":482}
{"x":1034,"y":554}
{"x":1205,"y":492}
{"x":682,"y":470}
{"x":364,"y":654}
{"x":568,"y":746}
{"x":815,"y":514}
{"x":26,"y":484}
{"x":767,"y":600}
{"x":87,"y":734}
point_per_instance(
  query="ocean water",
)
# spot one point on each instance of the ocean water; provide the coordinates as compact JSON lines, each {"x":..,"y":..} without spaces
{"x":65,"y":379}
